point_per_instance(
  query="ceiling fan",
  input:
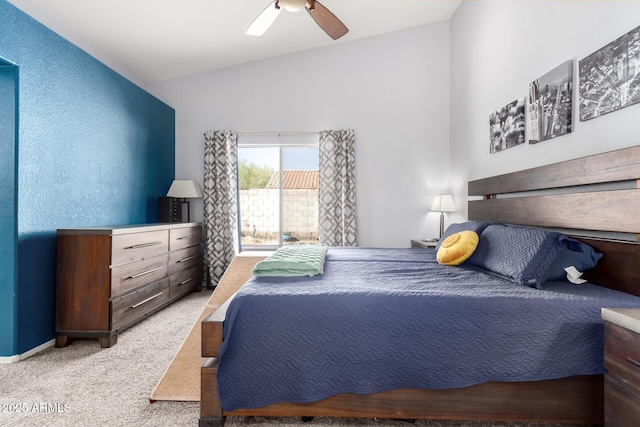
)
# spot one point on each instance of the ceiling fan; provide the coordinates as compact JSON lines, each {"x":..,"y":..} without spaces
{"x":323,"y":17}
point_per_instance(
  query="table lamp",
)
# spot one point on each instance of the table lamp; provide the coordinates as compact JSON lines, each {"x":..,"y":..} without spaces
{"x":443,"y":203}
{"x":185,"y":189}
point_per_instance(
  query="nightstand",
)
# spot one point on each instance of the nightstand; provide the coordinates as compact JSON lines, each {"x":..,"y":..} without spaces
{"x":622,"y":362}
{"x":420,"y":243}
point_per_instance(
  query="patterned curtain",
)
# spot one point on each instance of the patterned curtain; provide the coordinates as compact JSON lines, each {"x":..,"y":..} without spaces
{"x":338,"y":216}
{"x":220,"y":202}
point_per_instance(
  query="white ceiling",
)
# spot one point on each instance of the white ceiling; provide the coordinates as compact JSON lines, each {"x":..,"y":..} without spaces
{"x":150,"y":41}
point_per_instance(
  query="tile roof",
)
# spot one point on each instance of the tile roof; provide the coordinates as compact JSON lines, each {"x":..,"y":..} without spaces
{"x":295,"y":180}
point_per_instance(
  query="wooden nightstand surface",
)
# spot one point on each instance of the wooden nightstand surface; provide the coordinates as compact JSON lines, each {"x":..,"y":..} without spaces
{"x":628,"y":318}
{"x":420,"y":243}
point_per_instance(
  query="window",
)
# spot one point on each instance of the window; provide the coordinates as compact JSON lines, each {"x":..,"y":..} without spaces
{"x":278,"y":189}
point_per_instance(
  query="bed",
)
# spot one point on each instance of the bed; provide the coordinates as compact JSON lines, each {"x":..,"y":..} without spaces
{"x":593,"y":199}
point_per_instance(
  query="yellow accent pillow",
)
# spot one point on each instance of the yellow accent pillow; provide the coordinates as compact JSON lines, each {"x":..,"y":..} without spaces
{"x":457,"y":248}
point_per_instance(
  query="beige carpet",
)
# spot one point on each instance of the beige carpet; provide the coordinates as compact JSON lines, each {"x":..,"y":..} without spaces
{"x":181,"y":380}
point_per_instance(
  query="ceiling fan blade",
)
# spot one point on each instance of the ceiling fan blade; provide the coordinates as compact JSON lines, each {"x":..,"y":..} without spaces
{"x":263,"y":21}
{"x":326,"y":20}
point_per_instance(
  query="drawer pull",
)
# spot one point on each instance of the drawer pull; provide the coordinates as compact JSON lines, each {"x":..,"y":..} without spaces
{"x":146,"y":301}
{"x":633,"y":361}
{"x":185,"y":282}
{"x":186,"y":237}
{"x":144,"y":273}
{"x":187,"y":259}
{"x":143,"y":245}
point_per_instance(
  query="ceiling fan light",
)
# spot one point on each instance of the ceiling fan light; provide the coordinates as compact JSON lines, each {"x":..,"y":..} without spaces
{"x":293,"y":5}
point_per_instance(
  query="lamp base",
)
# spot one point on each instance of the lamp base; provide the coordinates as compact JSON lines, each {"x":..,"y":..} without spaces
{"x":169,"y":210}
{"x":441,"y":225}
{"x":182,"y":203}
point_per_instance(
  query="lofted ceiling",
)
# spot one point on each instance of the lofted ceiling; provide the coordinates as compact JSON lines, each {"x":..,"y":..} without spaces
{"x":150,"y":41}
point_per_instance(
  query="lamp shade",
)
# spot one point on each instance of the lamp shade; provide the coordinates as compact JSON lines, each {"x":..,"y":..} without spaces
{"x":443,"y":203}
{"x":184,"y":188}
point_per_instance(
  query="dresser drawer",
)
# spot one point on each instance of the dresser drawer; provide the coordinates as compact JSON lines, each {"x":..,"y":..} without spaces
{"x":134,"y":304}
{"x":622,"y":354}
{"x":184,"y":259}
{"x":135,"y":246}
{"x":185,"y":281}
{"x":135,"y":274}
{"x":180,"y":238}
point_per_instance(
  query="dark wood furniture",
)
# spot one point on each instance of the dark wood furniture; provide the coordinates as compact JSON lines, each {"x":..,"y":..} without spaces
{"x":109,"y":278}
{"x":566,"y":196}
{"x":622,"y":361}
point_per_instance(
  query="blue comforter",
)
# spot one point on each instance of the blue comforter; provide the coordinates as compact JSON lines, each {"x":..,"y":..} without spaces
{"x":381,"y":319}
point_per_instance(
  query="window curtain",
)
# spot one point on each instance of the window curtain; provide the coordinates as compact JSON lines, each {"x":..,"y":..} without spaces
{"x":338,"y":215}
{"x":220,"y":202}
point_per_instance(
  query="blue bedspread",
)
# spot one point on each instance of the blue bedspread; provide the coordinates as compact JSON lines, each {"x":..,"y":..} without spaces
{"x":381,"y":319}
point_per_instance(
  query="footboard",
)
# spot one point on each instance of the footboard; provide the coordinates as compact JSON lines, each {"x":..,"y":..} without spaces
{"x":211,"y":339}
{"x":567,"y":400}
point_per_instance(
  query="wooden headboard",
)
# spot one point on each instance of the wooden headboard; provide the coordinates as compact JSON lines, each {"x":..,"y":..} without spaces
{"x":595,"y":199}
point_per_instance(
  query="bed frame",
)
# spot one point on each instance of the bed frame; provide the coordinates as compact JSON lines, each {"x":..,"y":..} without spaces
{"x":591,"y":198}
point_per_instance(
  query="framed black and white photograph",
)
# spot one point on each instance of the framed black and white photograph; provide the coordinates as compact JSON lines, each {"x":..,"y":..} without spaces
{"x":506,"y":126}
{"x":551,"y":104}
{"x":609,"y":77}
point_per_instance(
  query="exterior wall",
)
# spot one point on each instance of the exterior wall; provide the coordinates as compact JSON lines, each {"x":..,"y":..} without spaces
{"x":299,"y":211}
{"x":300,"y":214}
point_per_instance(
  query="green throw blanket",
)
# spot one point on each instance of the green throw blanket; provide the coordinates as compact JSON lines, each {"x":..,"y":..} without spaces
{"x":297,"y":259}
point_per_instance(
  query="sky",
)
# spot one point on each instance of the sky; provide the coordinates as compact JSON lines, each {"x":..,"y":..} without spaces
{"x":293,"y":158}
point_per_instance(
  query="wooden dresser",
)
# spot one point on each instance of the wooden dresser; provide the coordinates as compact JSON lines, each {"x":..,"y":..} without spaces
{"x":109,"y":278}
{"x":622,"y":362}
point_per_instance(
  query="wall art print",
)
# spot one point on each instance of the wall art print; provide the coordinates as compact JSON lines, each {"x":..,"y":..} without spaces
{"x":610,"y":77}
{"x":551,"y":104}
{"x":506,"y":126}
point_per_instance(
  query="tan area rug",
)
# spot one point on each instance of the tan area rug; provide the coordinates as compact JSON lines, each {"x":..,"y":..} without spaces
{"x":181,"y":380}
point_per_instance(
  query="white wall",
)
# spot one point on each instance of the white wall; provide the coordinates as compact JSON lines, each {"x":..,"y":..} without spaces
{"x":392,"y":89}
{"x":498,"y":47}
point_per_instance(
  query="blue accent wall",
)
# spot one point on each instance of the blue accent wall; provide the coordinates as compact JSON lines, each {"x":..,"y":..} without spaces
{"x":92,"y":149}
{"x":8,"y":195}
